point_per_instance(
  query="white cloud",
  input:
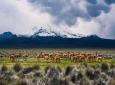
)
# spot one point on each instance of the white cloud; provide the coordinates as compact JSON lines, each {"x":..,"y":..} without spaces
{"x":20,"y":17}
{"x":107,"y":23}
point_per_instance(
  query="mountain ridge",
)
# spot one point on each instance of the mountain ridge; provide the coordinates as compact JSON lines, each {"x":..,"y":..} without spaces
{"x":10,"y":40}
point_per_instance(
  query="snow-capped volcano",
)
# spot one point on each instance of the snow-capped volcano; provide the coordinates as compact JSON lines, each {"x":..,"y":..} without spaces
{"x":44,"y":32}
{"x":50,"y":33}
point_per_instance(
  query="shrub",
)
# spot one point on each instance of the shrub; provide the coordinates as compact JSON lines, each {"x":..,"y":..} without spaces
{"x":104,"y":76}
{"x":21,"y":75}
{"x":79,"y":76}
{"x":64,"y":82}
{"x":112,"y":66}
{"x":97,"y":73}
{"x":22,"y":82}
{"x":37,"y":74}
{"x":60,"y":70}
{"x":53,"y":72}
{"x":111,"y":82}
{"x":90,"y":74}
{"x":54,"y":81}
{"x":85,"y":64}
{"x":104,"y":67}
{"x":35,"y":67}
{"x":30,"y":69}
{"x":100,"y":82}
{"x":3,"y":82}
{"x":73,"y":78}
{"x":85,"y":81}
{"x":27,"y":70}
{"x":17,"y":67}
{"x":47,"y":68}
{"x":4,"y":68}
{"x":68,"y":70}
{"x":111,"y":73}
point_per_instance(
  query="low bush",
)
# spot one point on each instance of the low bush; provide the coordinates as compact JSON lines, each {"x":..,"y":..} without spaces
{"x":17,"y":67}
{"x":4,"y":68}
{"x":104,"y":67}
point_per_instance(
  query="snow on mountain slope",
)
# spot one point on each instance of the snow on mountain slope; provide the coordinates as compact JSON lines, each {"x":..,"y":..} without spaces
{"x":44,"y":32}
{"x":48,"y":32}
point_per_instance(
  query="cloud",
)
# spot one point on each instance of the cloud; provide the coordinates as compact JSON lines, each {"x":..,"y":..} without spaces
{"x":19,"y":17}
{"x":62,"y":10}
{"x":92,"y":1}
{"x":109,"y":1}
{"x":102,"y":25}
{"x":69,"y":11}
{"x":86,"y":17}
{"x":107,"y":25}
{"x":81,"y":16}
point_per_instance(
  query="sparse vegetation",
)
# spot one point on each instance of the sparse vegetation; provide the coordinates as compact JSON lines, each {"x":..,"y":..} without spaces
{"x":17,"y":67}
{"x":54,"y":75}
{"x":39,"y":70}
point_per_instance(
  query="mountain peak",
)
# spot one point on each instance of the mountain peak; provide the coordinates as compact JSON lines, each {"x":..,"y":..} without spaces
{"x":94,"y":37}
{"x":7,"y":35}
{"x":70,"y":40}
{"x":44,"y":32}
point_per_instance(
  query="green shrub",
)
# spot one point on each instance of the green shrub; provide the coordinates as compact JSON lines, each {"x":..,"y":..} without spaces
{"x":17,"y":67}
{"x":111,"y":82}
{"x":30,"y":69}
{"x":104,"y":67}
{"x":3,"y":82}
{"x":46,"y":68}
{"x":37,"y":74}
{"x":68,"y":70}
{"x":4,"y":68}
{"x":35,"y":67}
{"x":85,"y":81}
{"x":112,"y":66}
{"x":22,"y":82}
{"x":90,"y":74}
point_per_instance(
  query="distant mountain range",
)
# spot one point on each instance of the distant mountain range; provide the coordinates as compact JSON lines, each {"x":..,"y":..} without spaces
{"x":49,"y":39}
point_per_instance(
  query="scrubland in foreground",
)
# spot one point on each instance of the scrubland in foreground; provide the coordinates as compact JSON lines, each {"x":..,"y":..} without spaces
{"x":103,"y":74}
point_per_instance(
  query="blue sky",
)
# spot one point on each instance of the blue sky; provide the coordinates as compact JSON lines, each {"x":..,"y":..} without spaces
{"x":85,"y":17}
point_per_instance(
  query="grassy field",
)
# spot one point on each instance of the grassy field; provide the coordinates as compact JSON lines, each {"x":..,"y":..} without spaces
{"x":63,"y":63}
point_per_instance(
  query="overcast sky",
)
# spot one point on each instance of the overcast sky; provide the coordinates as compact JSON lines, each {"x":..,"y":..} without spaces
{"x":85,"y":17}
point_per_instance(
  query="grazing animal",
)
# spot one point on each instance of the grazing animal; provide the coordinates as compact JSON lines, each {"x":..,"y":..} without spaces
{"x":25,"y":56}
{"x":12,"y":57}
{"x":73,"y":56}
{"x":40,"y":56}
